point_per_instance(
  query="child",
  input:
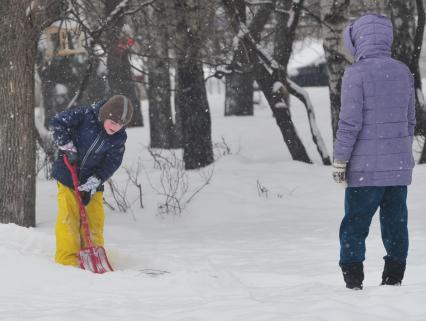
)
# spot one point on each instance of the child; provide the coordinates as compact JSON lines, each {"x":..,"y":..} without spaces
{"x":93,"y":138}
{"x":373,"y":149}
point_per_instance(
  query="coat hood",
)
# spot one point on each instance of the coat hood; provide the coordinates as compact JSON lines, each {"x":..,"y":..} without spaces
{"x":369,"y":36}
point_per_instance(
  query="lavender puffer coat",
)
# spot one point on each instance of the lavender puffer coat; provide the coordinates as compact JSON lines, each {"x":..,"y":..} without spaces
{"x":377,"y":117}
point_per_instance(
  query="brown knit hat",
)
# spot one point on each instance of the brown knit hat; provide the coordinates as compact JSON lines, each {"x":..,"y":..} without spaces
{"x":118,"y":108}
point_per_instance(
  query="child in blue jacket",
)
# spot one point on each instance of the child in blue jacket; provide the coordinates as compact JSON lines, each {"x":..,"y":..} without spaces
{"x":93,"y":138}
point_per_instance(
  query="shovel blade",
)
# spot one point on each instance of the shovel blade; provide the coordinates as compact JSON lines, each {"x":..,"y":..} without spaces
{"x":94,"y":259}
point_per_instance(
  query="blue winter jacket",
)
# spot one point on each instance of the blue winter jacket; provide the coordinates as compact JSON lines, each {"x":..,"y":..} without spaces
{"x":99,"y":154}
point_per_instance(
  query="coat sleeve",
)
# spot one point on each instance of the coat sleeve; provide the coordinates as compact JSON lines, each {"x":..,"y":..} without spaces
{"x":351,"y":115}
{"x":411,"y":115}
{"x":112,"y":160}
{"x":64,"y":122}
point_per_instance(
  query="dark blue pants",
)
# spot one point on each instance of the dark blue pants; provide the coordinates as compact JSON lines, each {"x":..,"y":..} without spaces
{"x":360,"y":205}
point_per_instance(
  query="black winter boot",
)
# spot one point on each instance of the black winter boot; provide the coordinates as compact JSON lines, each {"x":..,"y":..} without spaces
{"x":393,"y":273}
{"x":353,"y":274}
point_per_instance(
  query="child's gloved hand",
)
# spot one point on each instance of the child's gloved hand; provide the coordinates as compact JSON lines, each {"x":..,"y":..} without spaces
{"x":88,"y":189}
{"x":85,"y":197}
{"x":339,"y":171}
{"x":90,"y":186}
{"x":71,"y":152}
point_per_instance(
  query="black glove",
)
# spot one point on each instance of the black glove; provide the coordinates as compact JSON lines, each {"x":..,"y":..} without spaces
{"x":72,"y":156}
{"x":71,"y":152}
{"x":85,"y":197}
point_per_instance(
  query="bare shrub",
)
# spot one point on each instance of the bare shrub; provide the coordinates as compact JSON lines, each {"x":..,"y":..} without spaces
{"x":120,"y":194}
{"x":174,"y":184}
{"x":222,"y":149}
{"x":43,"y":162}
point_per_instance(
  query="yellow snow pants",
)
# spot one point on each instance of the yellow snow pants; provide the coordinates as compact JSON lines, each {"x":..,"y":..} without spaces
{"x":69,"y":234}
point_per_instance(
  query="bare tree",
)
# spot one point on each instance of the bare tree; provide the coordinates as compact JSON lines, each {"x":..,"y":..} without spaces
{"x":287,"y":16}
{"x":162,"y":129}
{"x":190,"y":88}
{"x":120,"y":77}
{"x":239,"y":85}
{"x":266,"y":72}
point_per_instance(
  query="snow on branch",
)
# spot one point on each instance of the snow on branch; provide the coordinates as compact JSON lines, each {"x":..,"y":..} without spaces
{"x":274,"y":68}
{"x":264,"y":57}
{"x":117,"y":9}
{"x":144,"y":4}
{"x":220,"y":72}
{"x":258,"y":2}
{"x":29,"y":9}
{"x":121,"y":6}
{"x":290,"y":14}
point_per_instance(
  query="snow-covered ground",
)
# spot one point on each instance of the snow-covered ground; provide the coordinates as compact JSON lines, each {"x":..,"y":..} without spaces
{"x":234,"y":254}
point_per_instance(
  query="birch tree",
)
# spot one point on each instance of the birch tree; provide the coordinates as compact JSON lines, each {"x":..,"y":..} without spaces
{"x":408,"y":37}
{"x":335,"y":15}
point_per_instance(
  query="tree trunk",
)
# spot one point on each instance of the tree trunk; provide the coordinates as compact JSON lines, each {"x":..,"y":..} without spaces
{"x":283,"y":40}
{"x":191,"y":90}
{"x":162,"y":129}
{"x":287,"y":15}
{"x":239,"y":94}
{"x":239,"y":86}
{"x":406,"y":48}
{"x":59,"y":82}
{"x":281,"y":112}
{"x":120,"y":78}
{"x":303,"y":96}
{"x":404,"y":24}
{"x":97,"y":84}
{"x":335,"y":18}
{"x":17,"y":135}
{"x":178,"y":100}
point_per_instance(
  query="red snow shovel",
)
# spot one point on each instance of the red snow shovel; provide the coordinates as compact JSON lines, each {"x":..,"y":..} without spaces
{"x":92,"y":258}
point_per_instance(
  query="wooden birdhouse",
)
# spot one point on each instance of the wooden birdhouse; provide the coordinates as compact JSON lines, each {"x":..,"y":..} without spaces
{"x":64,"y":41}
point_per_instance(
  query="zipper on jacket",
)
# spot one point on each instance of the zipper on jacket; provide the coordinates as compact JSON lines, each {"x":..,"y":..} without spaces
{"x":88,"y":153}
{"x":100,"y":146}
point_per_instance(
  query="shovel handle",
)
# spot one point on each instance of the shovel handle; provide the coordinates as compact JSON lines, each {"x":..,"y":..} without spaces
{"x":83,"y":214}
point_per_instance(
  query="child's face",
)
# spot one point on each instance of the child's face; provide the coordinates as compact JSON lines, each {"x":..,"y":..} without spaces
{"x":111,"y":127}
